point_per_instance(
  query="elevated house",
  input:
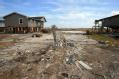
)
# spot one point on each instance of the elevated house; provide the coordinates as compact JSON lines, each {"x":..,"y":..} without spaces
{"x":111,"y":24}
{"x":19,"y":23}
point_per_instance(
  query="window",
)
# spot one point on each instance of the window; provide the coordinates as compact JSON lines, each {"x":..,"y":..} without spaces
{"x":21,"y":21}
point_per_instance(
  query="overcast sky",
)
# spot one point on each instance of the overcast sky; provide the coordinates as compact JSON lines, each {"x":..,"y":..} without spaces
{"x":63,"y":13}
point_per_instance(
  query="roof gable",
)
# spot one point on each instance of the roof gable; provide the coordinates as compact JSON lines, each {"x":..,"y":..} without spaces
{"x":40,"y":18}
{"x":109,"y":17}
{"x":13,"y":14}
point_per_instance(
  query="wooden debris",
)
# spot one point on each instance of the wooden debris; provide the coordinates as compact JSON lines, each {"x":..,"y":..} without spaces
{"x":84,"y":65}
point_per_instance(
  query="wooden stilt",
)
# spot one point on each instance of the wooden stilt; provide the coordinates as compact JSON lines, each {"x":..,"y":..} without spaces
{"x":18,"y":29}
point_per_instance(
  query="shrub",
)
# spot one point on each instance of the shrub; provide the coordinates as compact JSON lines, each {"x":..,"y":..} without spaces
{"x":46,"y":30}
{"x":88,"y":32}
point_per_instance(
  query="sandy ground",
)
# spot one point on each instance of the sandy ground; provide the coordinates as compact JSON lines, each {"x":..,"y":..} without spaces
{"x":35,"y":58}
{"x":27,"y":43}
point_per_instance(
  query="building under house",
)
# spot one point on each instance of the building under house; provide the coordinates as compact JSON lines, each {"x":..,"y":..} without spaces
{"x":108,"y":24}
{"x":19,"y":23}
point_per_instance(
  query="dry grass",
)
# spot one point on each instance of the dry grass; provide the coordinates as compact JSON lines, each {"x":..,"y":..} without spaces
{"x":46,"y":30}
{"x":2,"y":36}
{"x":105,"y":38}
{"x":6,"y":44}
{"x":7,"y":40}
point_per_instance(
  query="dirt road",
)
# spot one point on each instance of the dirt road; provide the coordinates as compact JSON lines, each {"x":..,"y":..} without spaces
{"x":35,"y":58}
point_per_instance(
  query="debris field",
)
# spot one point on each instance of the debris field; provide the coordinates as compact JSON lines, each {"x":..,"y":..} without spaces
{"x":71,"y":55}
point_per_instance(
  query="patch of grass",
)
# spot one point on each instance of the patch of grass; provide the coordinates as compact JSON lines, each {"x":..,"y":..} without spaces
{"x":101,"y":37}
{"x":4,"y":36}
{"x":15,"y":40}
{"x":6,"y":44}
{"x":2,"y":33}
{"x":105,"y":38}
{"x":9,"y":40}
{"x":2,"y":46}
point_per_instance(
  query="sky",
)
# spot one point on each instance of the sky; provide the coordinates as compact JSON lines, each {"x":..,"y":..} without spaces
{"x":63,"y":13}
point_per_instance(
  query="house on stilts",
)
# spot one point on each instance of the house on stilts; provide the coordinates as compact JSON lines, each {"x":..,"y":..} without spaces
{"x":108,"y":24}
{"x":19,"y":23}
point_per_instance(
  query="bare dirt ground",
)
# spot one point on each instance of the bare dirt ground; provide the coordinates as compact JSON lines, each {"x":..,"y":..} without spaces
{"x":36,"y":58}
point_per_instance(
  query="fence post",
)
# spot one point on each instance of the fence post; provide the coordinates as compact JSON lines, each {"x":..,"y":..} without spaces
{"x":54,"y":35}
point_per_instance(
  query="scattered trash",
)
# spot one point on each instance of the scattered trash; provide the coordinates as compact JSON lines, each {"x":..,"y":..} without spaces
{"x":70,"y":44}
{"x":62,"y":63}
{"x":101,"y":42}
{"x":36,"y":35}
{"x":71,"y":59}
{"x":2,"y":62}
{"x":65,"y":75}
{"x":74,"y":77}
{"x":29,"y":67}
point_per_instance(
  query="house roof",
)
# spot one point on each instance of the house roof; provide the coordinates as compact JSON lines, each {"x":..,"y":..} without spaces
{"x":39,"y":18}
{"x":13,"y":14}
{"x":108,"y":17}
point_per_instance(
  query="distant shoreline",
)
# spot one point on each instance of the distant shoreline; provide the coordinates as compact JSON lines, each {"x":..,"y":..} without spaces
{"x":74,"y":29}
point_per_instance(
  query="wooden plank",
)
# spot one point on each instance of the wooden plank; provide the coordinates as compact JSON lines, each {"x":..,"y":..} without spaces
{"x":84,"y":65}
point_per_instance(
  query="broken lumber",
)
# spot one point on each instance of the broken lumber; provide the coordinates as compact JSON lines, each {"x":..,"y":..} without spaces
{"x":84,"y":65}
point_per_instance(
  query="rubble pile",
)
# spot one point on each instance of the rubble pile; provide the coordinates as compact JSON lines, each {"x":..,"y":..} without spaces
{"x":23,"y":61}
